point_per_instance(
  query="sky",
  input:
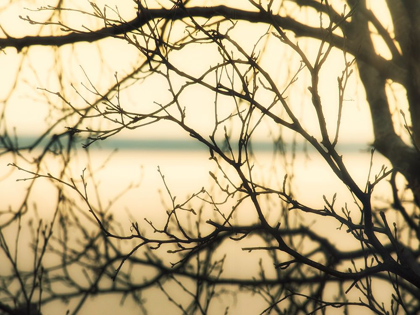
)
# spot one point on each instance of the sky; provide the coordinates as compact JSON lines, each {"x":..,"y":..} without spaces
{"x":29,"y":106}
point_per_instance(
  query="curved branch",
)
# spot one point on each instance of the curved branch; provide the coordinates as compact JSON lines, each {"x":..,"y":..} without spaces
{"x":388,"y":68}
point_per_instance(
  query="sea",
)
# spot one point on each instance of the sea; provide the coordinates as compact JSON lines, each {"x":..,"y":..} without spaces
{"x":138,"y":179}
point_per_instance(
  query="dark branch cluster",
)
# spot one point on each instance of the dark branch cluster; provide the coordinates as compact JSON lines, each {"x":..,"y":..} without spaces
{"x":296,"y":267}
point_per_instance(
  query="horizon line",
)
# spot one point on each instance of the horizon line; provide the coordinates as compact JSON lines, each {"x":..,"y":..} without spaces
{"x":174,"y":144}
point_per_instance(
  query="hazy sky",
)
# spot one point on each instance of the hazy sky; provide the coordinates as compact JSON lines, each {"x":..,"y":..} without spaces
{"x":28,"y":107}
